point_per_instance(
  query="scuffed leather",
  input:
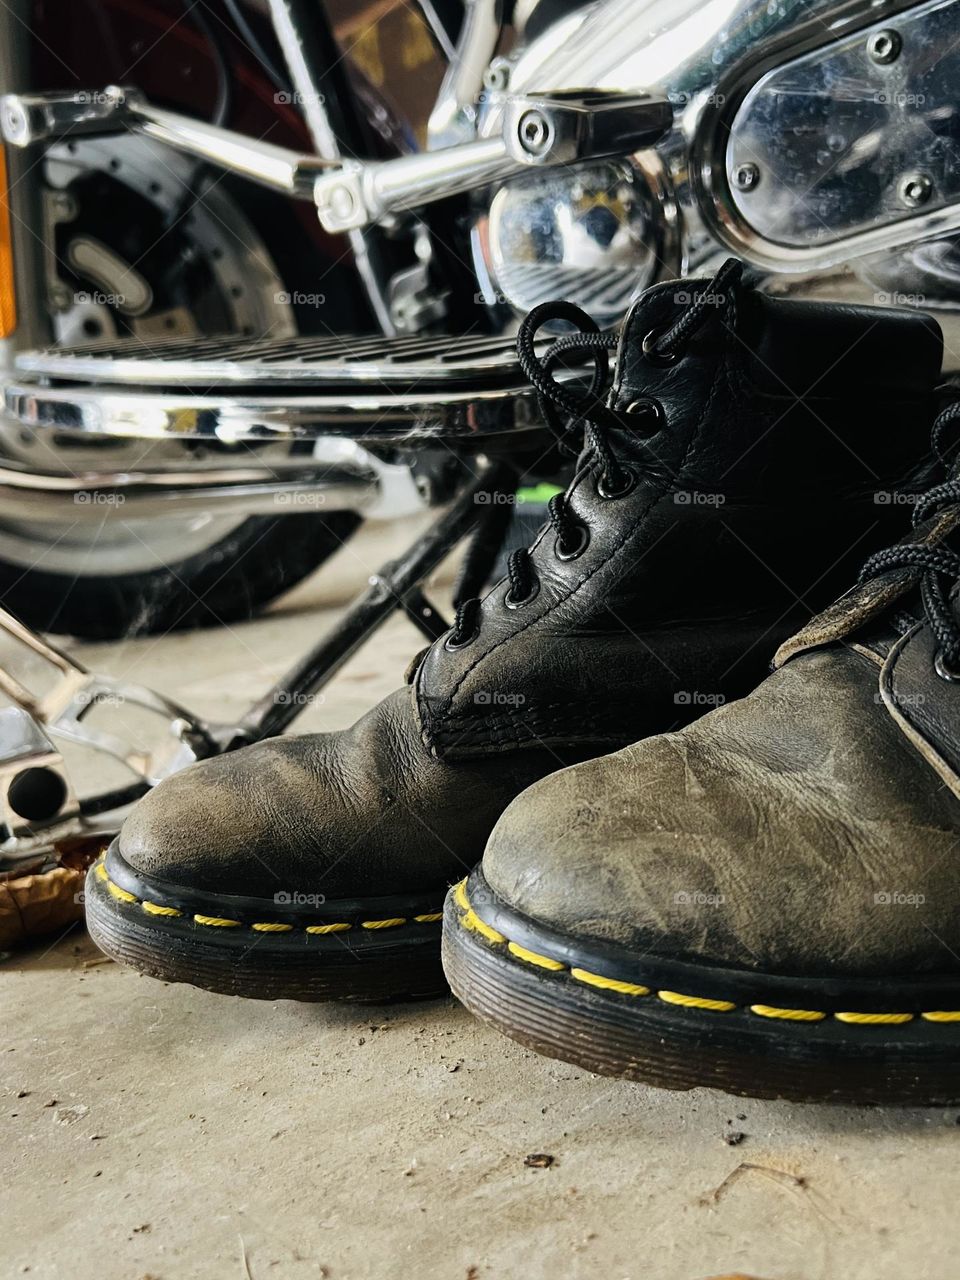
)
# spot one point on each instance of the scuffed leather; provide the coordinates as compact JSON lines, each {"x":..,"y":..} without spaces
{"x":358,"y":813}
{"x":926,"y":705}
{"x":671,"y":602}
{"x":773,"y":834}
{"x":791,"y":512}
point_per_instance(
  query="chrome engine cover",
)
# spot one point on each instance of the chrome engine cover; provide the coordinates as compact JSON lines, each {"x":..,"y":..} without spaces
{"x":836,"y":147}
{"x":802,"y":141}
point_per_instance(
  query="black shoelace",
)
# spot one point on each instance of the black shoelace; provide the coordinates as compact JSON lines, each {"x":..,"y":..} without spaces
{"x":568,"y":412}
{"x":940,"y":566}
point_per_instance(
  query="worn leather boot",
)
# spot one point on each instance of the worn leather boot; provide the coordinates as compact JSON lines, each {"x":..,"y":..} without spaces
{"x":725,"y":487}
{"x":767,"y":901}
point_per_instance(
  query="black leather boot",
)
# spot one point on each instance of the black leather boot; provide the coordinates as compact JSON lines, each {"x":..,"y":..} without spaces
{"x":767,"y":901}
{"x":750,"y":452}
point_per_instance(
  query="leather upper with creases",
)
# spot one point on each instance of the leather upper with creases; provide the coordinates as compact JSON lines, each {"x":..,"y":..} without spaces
{"x":672,"y":599}
{"x":752,"y":507}
{"x":798,"y":831}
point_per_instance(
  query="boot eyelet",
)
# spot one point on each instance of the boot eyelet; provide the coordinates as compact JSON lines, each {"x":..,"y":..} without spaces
{"x":629,"y":484}
{"x":944,"y":671}
{"x":571,"y":553}
{"x":531,"y":595}
{"x":649,"y":349}
{"x":452,"y":647}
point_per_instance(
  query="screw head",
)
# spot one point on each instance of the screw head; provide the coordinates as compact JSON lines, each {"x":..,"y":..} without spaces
{"x":884,"y":46}
{"x":914,"y":189}
{"x":746,"y":176}
{"x":535,"y":132}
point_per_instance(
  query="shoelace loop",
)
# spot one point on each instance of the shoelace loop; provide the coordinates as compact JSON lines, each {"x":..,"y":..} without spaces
{"x":565,"y":407}
{"x":940,"y":566}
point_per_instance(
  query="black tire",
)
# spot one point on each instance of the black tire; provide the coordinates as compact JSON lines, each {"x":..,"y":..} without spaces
{"x":227,"y":582}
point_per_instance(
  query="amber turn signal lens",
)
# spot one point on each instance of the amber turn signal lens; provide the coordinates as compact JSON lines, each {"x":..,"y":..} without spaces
{"x":8,"y":297}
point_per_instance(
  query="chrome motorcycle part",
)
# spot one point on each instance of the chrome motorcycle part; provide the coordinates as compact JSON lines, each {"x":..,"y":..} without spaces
{"x":313,"y":59}
{"x":706,"y":55}
{"x":855,"y":137}
{"x":29,"y":119}
{"x":277,"y":362}
{"x":233,"y":392}
{"x":249,"y":295}
{"x":81,"y":503}
{"x":536,"y":129}
{"x":453,"y":119}
{"x":63,"y":705}
{"x":41,"y":808}
{"x":38,"y":804}
{"x":597,"y":234}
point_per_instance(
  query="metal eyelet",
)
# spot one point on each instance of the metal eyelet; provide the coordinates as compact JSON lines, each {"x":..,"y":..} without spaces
{"x":943,"y":671}
{"x":531,"y":595}
{"x":583,"y":538}
{"x":649,"y":349}
{"x":629,"y":484}
{"x":467,"y":640}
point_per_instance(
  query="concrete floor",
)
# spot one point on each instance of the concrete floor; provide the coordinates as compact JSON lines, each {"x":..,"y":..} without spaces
{"x":154,"y":1132}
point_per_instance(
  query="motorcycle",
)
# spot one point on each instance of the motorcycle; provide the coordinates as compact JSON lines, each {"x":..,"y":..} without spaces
{"x":169,"y":354}
{"x":188,"y":430}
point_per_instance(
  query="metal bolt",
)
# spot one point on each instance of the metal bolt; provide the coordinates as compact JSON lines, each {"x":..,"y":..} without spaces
{"x":884,"y":46}
{"x":497,"y":75}
{"x":16,"y":127}
{"x":64,"y":206}
{"x":914,"y":189}
{"x":746,"y":176}
{"x":342,"y":203}
{"x":535,"y":132}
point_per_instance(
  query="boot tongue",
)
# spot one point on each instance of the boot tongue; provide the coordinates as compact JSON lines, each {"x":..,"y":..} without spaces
{"x":871,"y":601}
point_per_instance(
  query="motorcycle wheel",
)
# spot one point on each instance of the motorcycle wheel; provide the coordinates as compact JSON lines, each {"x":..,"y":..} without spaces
{"x":215,"y":273}
{"x":227,"y":582}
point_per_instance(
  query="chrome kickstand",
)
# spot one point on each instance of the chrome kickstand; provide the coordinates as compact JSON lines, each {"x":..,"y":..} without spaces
{"x":39,"y":805}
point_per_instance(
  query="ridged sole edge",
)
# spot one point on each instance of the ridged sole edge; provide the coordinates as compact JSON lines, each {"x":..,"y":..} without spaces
{"x":270,"y":967}
{"x":685,"y":1048}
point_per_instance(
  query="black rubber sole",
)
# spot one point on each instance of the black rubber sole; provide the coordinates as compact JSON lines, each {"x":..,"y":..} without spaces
{"x":367,"y":950}
{"x":530,"y":986}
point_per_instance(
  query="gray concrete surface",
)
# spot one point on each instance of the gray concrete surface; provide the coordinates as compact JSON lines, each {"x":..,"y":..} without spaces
{"x":154,"y":1132}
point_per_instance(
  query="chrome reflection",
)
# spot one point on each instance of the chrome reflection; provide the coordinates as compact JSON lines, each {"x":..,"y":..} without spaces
{"x":593,"y":234}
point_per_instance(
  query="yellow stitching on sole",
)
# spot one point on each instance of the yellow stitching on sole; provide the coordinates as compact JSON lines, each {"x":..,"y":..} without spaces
{"x":217,"y":922}
{"x":790,"y":1015}
{"x":696,"y":1002}
{"x":272,"y":926}
{"x":119,"y":893}
{"x":532,"y":957}
{"x":470,"y":920}
{"x":609,"y":984}
{"x":875,"y":1019}
{"x":155,"y":909}
{"x":100,"y":871}
{"x":460,"y":896}
{"x":431,"y":918}
{"x":327,"y":928}
{"x":383,"y":924}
